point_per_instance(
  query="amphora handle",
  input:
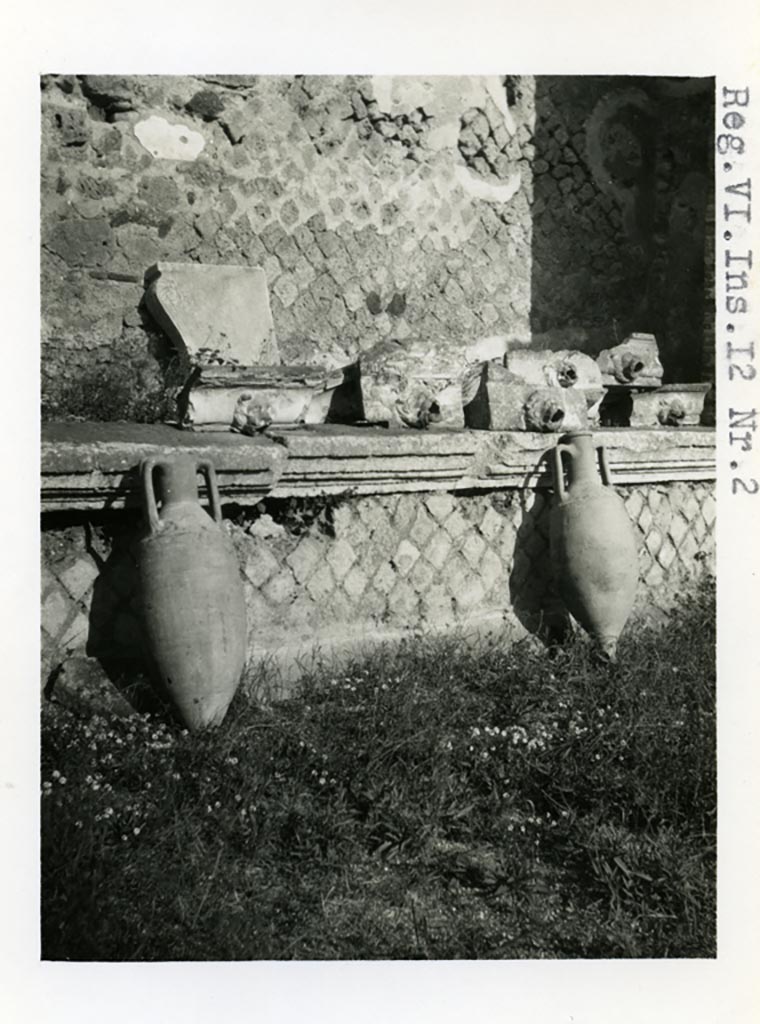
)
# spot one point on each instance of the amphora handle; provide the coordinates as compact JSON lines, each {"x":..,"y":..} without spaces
{"x":207,"y":469}
{"x":604,"y":466}
{"x":559,"y":470}
{"x":149,"y":495}
{"x":147,"y":468}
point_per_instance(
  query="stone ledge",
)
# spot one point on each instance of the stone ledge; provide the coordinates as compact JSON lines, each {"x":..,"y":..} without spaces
{"x":373,"y":460}
{"x":646,"y":455}
{"x":94,"y":465}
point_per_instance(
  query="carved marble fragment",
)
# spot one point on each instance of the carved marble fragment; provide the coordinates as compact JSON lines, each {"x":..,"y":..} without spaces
{"x":412,"y":384}
{"x":495,"y":398}
{"x":635,"y":363}
{"x":213,"y":313}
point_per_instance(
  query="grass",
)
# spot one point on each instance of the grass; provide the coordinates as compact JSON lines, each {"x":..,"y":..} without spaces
{"x":429,"y":801}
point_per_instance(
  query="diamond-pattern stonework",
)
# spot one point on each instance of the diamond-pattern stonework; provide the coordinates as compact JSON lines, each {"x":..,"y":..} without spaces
{"x":473,"y":548}
{"x":321,"y":584}
{"x":355,"y":582}
{"x":422,"y":528}
{"x":341,"y":557}
{"x":437,"y":550}
{"x":400,"y":561}
{"x":280,"y":588}
{"x":305,"y":558}
{"x":260,"y":565}
{"x":405,"y":557}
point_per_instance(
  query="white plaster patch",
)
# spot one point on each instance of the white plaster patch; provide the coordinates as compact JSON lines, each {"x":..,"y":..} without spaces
{"x":490,"y":192}
{"x":167,"y":141}
{"x":444,"y":97}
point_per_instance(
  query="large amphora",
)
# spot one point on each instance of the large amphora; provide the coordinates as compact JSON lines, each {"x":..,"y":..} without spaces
{"x":593,"y":544}
{"x":192,"y":594}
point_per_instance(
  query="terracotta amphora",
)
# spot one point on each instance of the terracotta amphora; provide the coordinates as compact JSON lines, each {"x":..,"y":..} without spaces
{"x":593,"y":544}
{"x":192,"y":594}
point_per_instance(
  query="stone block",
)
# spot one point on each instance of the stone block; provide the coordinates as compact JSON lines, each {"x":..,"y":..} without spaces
{"x":385,"y":578}
{"x":404,"y":515}
{"x":473,"y":548}
{"x":675,"y":405}
{"x":304,"y":272}
{"x":679,"y":528}
{"x":405,"y":556}
{"x":440,"y":505}
{"x":83,"y":684}
{"x":653,"y":541}
{"x":272,"y":269}
{"x":455,"y":573}
{"x":304,"y":559}
{"x":56,"y":609}
{"x":456,"y":524}
{"x":634,"y":362}
{"x":491,"y":524}
{"x":340,"y":557}
{"x":666,"y":555}
{"x":75,"y":634}
{"x":79,"y":577}
{"x":206,"y":309}
{"x":260,"y":566}
{"x":438,"y":549}
{"x":421,"y":528}
{"x":708,"y":511}
{"x":355,"y":582}
{"x":412,"y":384}
{"x":437,"y":604}
{"x":303,"y":237}
{"x":422,"y":576}
{"x":286,"y":289}
{"x":470,"y":595}
{"x":82,"y":243}
{"x":322,"y":583}
{"x":280,"y":588}
{"x":497,"y":399}
{"x":403,"y":602}
{"x":492,"y":571}
{"x":73,"y":125}
{"x":688,"y":549}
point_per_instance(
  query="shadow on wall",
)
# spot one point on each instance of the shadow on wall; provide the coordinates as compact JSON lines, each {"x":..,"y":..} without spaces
{"x":532,"y":592}
{"x":115,"y":635}
{"x":623,"y":171}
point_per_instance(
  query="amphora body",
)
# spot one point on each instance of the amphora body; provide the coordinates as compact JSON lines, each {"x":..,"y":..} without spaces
{"x":593,"y":544}
{"x":192,"y":594}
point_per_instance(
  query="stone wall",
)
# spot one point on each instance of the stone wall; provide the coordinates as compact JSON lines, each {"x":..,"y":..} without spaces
{"x":339,"y":572}
{"x":622,"y":179}
{"x":563,"y":208}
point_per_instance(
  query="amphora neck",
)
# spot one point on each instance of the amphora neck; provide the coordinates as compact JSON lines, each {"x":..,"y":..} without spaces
{"x":176,"y":480}
{"x":582,"y":457}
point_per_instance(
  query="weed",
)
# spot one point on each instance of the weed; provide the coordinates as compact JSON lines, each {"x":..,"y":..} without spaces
{"x":114,"y":392}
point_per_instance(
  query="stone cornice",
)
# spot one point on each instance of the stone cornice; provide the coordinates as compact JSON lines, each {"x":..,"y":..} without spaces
{"x":94,"y":466}
{"x":635,"y":456}
{"x":364,"y":460}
